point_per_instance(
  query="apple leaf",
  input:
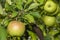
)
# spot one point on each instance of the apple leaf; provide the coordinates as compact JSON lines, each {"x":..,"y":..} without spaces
{"x":1,"y":10}
{"x":19,"y":4}
{"x":28,"y":2}
{"x":58,"y":19}
{"x":33,"y":35}
{"x":47,"y":37}
{"x":3,"y":33}
{"x":41,"y":1}
{"x":35,"y":14}
{"x":14,"y":14}
{"x":29,"y":18}
{"x":9,"y":2}
{"x":33,"y":5}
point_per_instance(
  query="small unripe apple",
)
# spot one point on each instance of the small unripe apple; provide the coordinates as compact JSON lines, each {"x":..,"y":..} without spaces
{"x":50,"y":6}
{"x":49,"y":20}
{"x":16,"y":28}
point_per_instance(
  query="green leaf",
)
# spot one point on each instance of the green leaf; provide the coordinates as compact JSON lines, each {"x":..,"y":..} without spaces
{"x":6,"y":22}
{"x":41,"y":1}
{"x":56,"y":38}
{"x":24,"y":1}
{"x":33,"y":35}
{"x":8,"y":7}
{"x":47,"y":37}
{"x":29,"y":18}
{"x":33,"y":5}
{"x":19,"y":4}
{"x":1,"y":20}
{"x":43,"y":29}
{"x":3,"y":33}
{"x":28,"y":2}
{"x":58,"y":19}
{"x":35,"y":14}
{"x":9,"y":2}
{"x":1,"y":10}
{"x":53,"y":32}
{"x":14,"y":14}
{"x":58,"y":14}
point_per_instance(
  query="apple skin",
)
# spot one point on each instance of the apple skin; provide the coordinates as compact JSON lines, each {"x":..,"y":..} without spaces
{"x":49,"y":21}
{"x":16,"y":28}
{"x":50,"y":6}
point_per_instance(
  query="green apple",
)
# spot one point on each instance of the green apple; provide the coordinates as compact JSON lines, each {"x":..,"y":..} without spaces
{"x":49,"y":21}
{"x":50,"y":6}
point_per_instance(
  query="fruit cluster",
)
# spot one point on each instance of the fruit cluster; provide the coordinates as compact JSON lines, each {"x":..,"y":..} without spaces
{"x":30,"y":20}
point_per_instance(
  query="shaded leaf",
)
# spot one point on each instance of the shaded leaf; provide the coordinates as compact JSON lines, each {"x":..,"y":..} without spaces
{"x":47,"y":37}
